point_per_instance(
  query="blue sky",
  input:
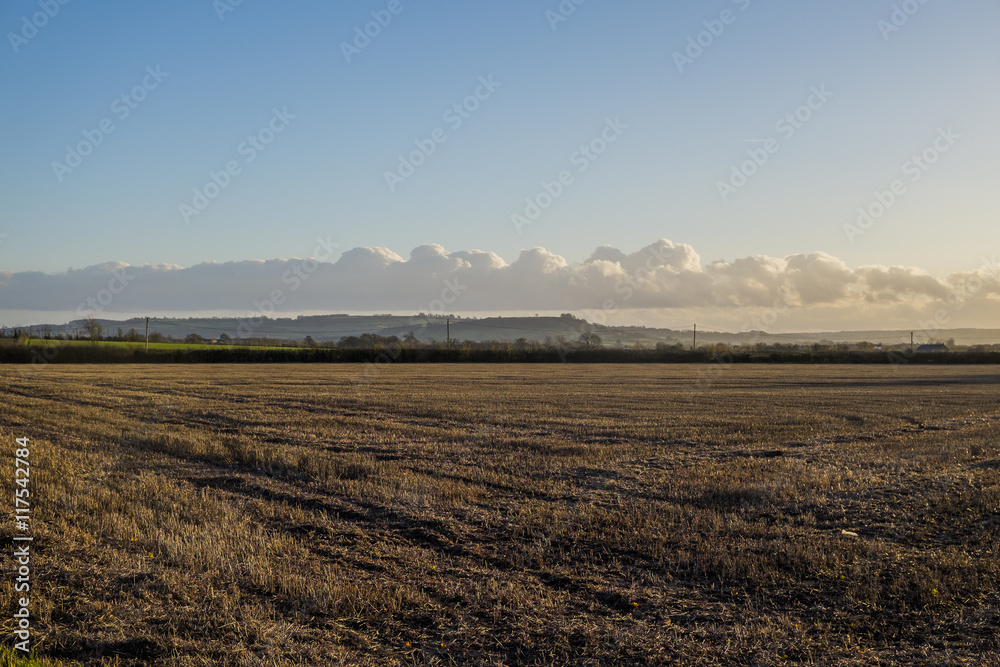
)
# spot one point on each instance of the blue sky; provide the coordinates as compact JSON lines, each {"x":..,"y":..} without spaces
{"x":323,"y":174}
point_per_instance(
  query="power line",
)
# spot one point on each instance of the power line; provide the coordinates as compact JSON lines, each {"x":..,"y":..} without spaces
{"x":229,"y":323}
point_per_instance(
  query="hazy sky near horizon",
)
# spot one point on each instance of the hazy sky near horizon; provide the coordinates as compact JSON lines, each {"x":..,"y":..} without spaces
{"x":121,"y":119}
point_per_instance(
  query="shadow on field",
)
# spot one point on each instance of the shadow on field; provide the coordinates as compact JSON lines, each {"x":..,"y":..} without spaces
{"x":428,"y":533}
{"x":138,"y":648}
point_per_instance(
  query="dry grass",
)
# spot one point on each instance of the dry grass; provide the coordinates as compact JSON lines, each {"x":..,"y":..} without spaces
{"x":501,"y":515}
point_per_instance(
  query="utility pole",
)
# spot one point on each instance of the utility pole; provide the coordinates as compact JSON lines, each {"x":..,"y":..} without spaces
{"x":911,"y":341}
{"x":447,"y":324}
{"x":694,"y":338}
{"x":147,"y":335}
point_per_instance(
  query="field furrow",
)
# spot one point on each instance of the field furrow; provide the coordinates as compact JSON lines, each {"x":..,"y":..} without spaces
{"x":499,"y":515}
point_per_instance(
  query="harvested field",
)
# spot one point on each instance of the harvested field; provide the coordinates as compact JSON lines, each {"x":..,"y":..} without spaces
{"x":510,"y":514}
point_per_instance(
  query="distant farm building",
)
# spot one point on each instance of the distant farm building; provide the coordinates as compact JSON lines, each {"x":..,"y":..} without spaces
{"x":932,"y":349}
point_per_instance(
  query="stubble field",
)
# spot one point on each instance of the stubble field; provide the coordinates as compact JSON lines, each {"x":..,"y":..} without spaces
{"x":509,"y":514}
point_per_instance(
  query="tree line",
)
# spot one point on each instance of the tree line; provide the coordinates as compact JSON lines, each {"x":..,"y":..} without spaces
{"x":377,"y":349}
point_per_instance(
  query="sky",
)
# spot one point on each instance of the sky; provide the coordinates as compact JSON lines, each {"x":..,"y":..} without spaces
{"x":837,"y":159}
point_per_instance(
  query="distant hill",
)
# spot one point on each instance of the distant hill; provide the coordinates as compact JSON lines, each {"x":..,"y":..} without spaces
{"x":324,"y":328}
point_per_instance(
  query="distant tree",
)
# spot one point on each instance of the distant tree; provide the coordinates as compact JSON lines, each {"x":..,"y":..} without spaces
{"x":590,"y":341}
{"x":194,"y":339}
{"x":411,"y":339}
{"x":309,"y":342}
{"x":93,"y":328}
{"x":349,"y":341}
{"x":225,"y":338}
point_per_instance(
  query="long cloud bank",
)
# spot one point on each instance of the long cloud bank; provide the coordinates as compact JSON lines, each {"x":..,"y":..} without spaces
{"x":663,"y":275}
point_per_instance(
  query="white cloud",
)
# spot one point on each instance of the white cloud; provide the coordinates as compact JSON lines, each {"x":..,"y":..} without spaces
{"x":654,"y":282}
